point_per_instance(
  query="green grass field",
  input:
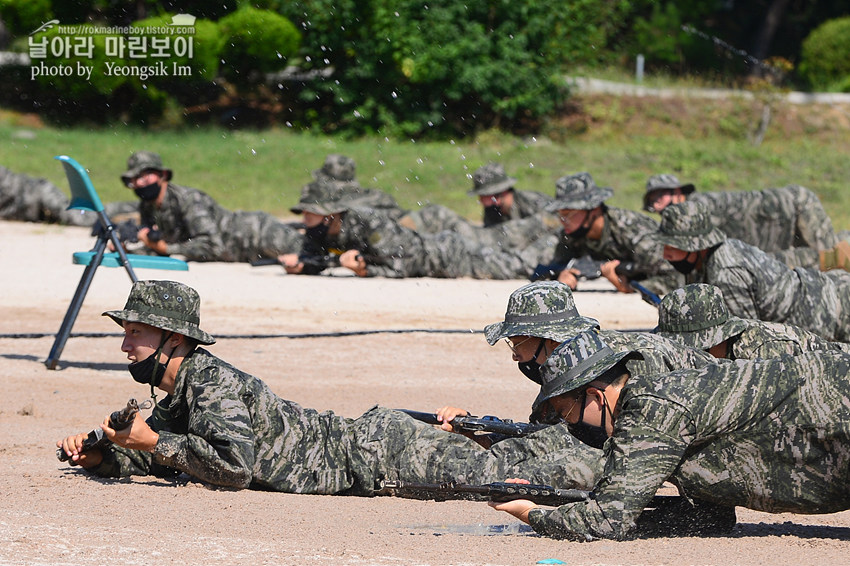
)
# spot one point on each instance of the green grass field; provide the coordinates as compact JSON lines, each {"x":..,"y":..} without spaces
{"x":265,"y":170}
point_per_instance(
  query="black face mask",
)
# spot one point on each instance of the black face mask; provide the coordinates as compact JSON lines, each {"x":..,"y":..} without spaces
{"x":493,"y":215}
{"x":591,"y":435}
{"x":148,"y":192}
{"x":150,"y":370}
{"x":531,"y":369}
{"x":579,"y":232}
{"x":683,"y":266}
{"x":318,"y":233}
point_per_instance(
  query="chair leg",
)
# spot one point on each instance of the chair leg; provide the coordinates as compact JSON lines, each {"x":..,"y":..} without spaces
{"x":76,"y":304}
{"x":119,"y":247}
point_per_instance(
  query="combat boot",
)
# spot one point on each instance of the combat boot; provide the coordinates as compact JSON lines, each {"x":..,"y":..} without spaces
{"x":836,"y":258}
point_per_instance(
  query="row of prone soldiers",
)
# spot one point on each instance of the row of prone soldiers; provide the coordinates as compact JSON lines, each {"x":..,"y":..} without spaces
{"x":624,"y":412}
{"x":773,"y":253}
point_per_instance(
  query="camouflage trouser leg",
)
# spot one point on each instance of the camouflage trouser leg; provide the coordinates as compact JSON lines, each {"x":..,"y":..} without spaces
{"x":449,"y":256}
{"x":45,"y":202}
{"x":434,"y":218}
{"x":799,"y":257}
{"x":814,"y":227}
{"x":392,"y":445}
{"x":254,"y":235}
{"x":277,"y":237}
{"x":492,"y":263}
{"x":123,"y":210}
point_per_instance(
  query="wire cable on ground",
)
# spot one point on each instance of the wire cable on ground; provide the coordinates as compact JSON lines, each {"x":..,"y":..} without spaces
{"x":341,"y":333}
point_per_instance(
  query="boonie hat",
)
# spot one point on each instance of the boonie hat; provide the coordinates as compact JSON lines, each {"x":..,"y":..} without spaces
{"x":543,"y":309}
{"x":575,"y":363}
{"x":336,"y":168}
{"x":490,"y":179}
{"x":321,"y":197}
{"x":142,"y":161}
{"x":662,"y":182}
{"x":697,"y":316}
{"x":167,"y":305}
{"x":578,"y":192}
{"x":687,"y":226}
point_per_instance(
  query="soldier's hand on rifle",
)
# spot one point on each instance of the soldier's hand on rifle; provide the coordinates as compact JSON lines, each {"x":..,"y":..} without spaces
{"x":519,"y":508}
{"x":157,"y":245}
{"x":73,"y":445}
{"x":609,"y":272}
{"x":353,"y":260}
{"x":569,"y":277}
{"x":447,"y":414}
{"x":291,"y":263}
{"x":138,"y":436}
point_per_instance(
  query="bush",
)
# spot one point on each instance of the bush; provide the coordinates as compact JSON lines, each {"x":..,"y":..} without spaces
{"x":74,"y":85}
{"x":825,"y":56}
{"x":444,"y":68}
{"x":207,"y":44}
{"x":255,"y":42}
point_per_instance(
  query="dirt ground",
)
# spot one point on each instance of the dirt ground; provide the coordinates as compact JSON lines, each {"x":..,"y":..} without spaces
{"x":53,"y":514}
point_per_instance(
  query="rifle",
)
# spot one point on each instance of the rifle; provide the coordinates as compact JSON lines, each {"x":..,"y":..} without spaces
{"x":496,"y":491}
{"x":506,"y":491}
{"x":118,"y":420}
{"x":127,"y":231}
{"x":587,"y":267}
{"x":664,"y":515}
{"x":591,"y":269}
{"x":486,"y":424}
{"x":313,"y":264}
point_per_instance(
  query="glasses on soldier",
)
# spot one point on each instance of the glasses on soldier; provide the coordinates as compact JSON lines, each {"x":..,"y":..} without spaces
{"x":146,"y":177}
{"x":513,"y":346}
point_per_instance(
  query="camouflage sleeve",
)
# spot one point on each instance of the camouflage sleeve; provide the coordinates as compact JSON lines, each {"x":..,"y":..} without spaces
{"x":219,"y":445}
{"x":122,"y":462}
{"x":199,"y":218}
{"x":649,"y":442}
{"x":738,"y":288}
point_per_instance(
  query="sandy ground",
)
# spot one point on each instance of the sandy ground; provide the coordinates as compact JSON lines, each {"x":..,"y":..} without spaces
{"x":53,"y":514}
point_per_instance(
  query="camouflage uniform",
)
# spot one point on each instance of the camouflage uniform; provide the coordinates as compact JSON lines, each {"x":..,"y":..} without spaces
{"x":546,"y":309}
{"x":756,"y":285}
{"x":533,"y":236}
{"x":789,"y":221}
{"x":523,"y":226}
{"x":195,"y":226}
{"x":227,"y":428}
{"x":38,"y":200}
{"x":491,"y":179}
{"x":340,"y":172}
{"x":697,"y":317}
{"x":391,"y":250}
{"x":198,"y":228}
{"x":771,"y":435}
{"x":626,"y":235}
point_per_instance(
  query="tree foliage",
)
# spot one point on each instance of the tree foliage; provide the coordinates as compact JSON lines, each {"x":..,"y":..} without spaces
{"x":825,"y":60}
{"x":418,"y":68}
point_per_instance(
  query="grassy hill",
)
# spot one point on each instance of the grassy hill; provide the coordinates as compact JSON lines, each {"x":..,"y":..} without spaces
{"x":620,"y":140}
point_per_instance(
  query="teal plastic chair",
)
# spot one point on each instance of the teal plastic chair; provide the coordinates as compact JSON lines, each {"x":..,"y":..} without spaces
{"x":85,"y":197}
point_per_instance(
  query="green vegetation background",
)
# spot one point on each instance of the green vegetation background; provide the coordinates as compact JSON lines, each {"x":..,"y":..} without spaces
{"x":265,"y":170}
